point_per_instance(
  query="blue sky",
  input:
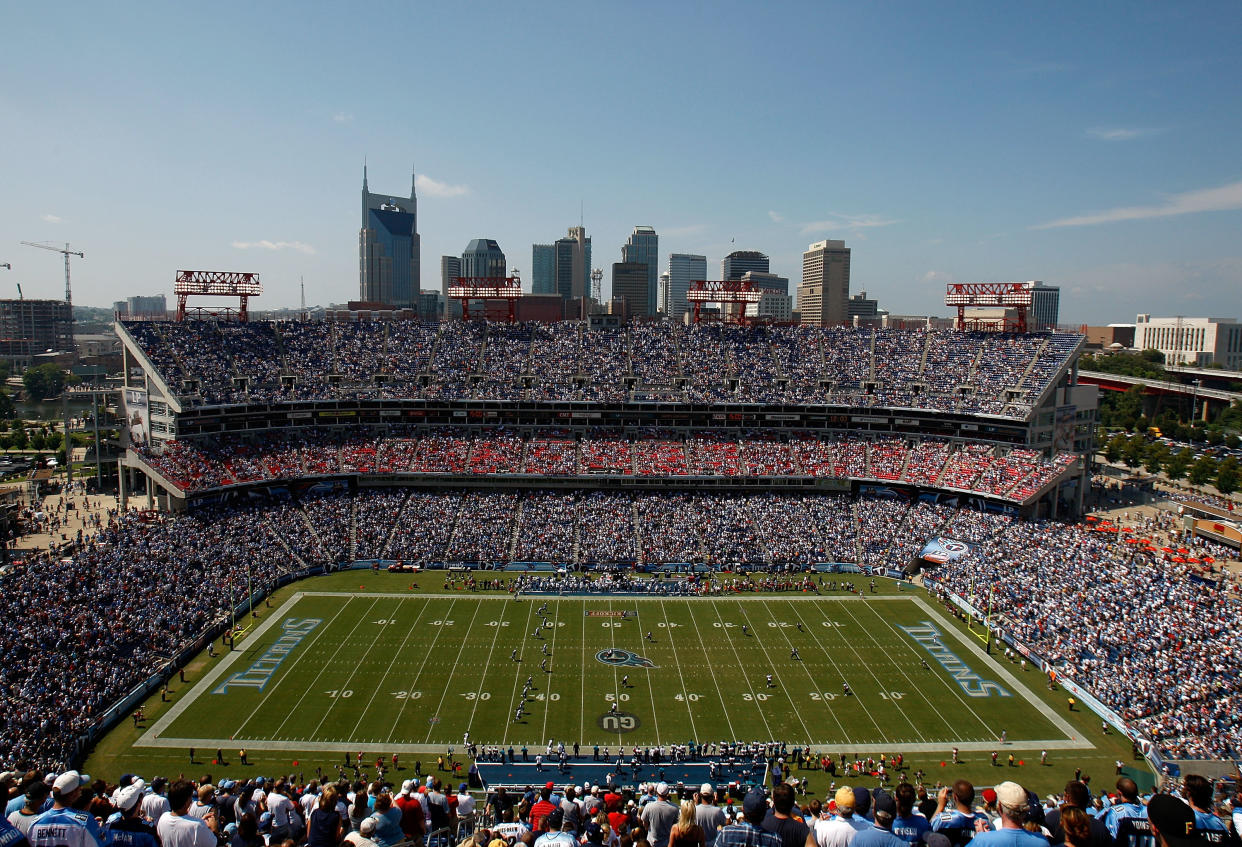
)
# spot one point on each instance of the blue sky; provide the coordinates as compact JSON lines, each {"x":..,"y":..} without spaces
{"x":1094,"y":146}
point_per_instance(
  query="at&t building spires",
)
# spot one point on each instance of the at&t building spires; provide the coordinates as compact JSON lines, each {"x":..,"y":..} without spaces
{"x":388,"y":248}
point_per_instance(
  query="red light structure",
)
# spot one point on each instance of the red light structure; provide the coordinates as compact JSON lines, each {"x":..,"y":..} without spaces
{"x":724,"y":292}
{"x":1003,"y":295}
{"x":216,"y":284}
{"x":467,"y":288}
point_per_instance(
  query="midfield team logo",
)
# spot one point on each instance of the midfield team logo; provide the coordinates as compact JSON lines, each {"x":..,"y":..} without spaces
{"x":619,"y":658}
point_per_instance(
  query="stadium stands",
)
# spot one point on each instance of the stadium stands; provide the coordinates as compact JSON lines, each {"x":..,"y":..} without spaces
{"x":981,"y":373}
{"x":977,"y":469}
{"x":1127,"y":623}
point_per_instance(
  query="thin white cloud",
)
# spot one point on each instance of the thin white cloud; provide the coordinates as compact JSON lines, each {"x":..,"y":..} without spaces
{"x":937,"y":276}
{"x":299,"y":246}
{"x":1119,"y":133}
{"x":342,"y":117}
{"x":840,"y":222}
{"x":435,"y":188}
{"x":1223,"y":198}
{"x":52,"y":219}
{"x":777,"y":217}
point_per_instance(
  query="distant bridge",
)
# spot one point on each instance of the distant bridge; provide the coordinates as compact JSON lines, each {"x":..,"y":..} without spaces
{"x":1155,"y":388}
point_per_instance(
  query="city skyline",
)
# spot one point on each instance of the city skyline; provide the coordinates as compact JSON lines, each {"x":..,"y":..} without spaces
{"x":965,"y":144}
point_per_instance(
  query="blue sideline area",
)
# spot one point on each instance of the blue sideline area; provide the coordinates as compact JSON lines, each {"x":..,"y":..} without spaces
{"x":691,"y":774}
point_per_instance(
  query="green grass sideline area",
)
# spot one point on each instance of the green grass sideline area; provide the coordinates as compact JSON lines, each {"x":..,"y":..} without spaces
{"x":379,"y":663}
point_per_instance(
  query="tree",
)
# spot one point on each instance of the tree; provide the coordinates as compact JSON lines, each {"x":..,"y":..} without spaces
{"x":1114,"y":448}
{"x":38,"y":441}
{"x":20,"y":440}
{"x":6,"y":441}
{"x":1179,"y":462}
{"x":1134,"y":450}
{"x":43,"y":381}
{"x":1157,"y":458}
{"x":1232,"y":441}
{"x":1202,"y":470}
{"x":54,"y":440}
{"x":1227,"y":476}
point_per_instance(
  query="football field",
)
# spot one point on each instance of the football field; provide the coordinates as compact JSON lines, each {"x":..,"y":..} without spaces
{"x":410,"y":673}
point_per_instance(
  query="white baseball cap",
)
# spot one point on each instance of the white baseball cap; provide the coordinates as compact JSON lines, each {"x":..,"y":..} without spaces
{"x":70,"y":781}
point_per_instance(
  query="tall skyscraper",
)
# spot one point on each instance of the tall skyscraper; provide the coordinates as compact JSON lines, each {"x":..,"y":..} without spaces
{"x":740,"y":261}
{"x":825,"y":286}
{"x":629,"y":283}
{"x":573,"y":264}
{"x":450,"y":269}
{"x":483,"y":258}
{"x":1045,"y":306}
{"x":683,"y":269}
{"x":767,"y":281}
{"x":644,"y":246}
{"x":389,"y":248}
{"x":543,"y":269}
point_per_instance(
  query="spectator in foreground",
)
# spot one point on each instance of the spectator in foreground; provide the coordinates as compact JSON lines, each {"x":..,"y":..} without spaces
{"x":63,"y":824}
{"x":748,"y":832}
{"x":1015,"y":807}
{"x":781,"y":820}
{"x":687,"y":832}
{"x":881,"y":832}
{"x":177,"y":828}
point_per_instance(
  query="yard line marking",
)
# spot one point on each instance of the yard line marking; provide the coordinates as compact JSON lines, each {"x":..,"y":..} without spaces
{"x":315,"y":682}
{"x":448,"y":683}
{"x":823,"y":646}
{"x":547,"y":701}
{"x":767,"y":728}
{"x":871,"y":672}
{"x":486,"y":664}
{"x":426,"y":655}
{"x":810,"y":678}
{"x":684,"y":693}
{"x":911,"y":647}
{"x":655,"y":716}
{"x":517,"y":673}
{"x":703,"y":644}
{"x":582,"y":678}
{"x":396,"y":654}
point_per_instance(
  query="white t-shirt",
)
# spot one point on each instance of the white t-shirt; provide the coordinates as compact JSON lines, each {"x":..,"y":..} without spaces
{"x":284,"y":813}
{"x":155,"y":806}
{"x":184,"y":831}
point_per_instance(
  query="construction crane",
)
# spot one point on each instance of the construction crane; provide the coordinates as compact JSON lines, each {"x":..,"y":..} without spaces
{"x":67,"y":253}
{"x":68,"y":291}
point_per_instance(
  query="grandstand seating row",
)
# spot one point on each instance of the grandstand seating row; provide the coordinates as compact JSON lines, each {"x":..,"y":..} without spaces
{"x":984,"y":373}
{"x":978,"y":469}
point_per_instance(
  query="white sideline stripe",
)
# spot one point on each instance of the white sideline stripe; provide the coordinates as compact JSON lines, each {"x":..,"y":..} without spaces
{"x":208,"y":682}
{"x":151,"y":738}
{"x":1018,"y":686}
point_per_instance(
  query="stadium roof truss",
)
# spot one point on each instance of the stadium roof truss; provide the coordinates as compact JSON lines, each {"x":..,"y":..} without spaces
{"x":468,"y":288}
{"x":216,"y":284}
{"x":724,"y":292}
{"x":996,"y":295}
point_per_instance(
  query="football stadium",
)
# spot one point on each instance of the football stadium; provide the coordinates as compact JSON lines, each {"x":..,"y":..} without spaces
{"x":618,"y":554}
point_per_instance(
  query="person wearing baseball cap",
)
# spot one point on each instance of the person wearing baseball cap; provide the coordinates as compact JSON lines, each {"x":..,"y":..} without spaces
{"x":1173,"y":823}
{"x":62,"y":824}
{"x":126,"y":828}
{"x":32,"y":806}
{"x":707,"y":814}
{"x":1014,"y":806}
{"x":880,"y":834}
{"x":659,"y":816}
{"x":748,"y":831}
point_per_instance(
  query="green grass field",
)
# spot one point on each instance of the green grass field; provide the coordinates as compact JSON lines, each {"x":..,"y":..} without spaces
{"x":359,"y":662}
{"x":414,"y":673}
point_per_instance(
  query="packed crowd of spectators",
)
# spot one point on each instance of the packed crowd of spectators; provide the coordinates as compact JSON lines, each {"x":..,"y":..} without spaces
{"x":987,"y":373}
{"x":1147,"y":634}
{"x":1146,"y":627}
{"x":1014,"y":474}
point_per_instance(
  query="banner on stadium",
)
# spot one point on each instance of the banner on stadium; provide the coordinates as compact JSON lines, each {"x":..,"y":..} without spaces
{"x":137,"y":416}
{"x":940,"y":550}
{"x":884,"y":491}
{"x":1063,"y":434}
